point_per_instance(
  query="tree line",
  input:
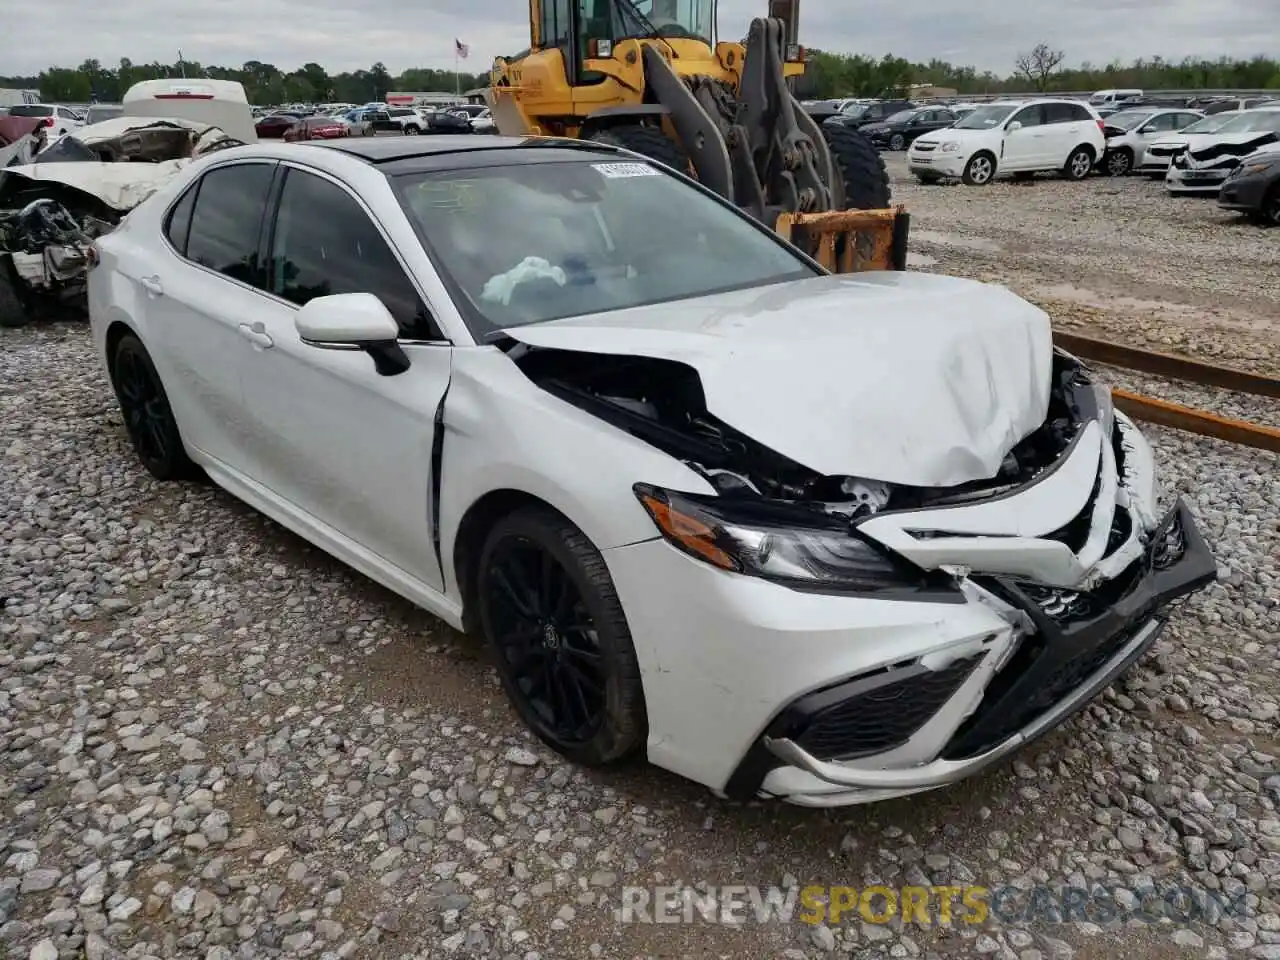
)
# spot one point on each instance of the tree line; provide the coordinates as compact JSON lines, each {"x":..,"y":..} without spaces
{"x":829,"y":75}
{"x":264,"y":83}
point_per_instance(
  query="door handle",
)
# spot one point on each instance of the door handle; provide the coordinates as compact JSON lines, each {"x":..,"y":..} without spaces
{"x":257,"y":334}
{"x":153,"y":286}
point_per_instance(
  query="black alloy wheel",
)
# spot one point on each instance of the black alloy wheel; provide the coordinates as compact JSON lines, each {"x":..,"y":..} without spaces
{"x":559,"y":639}
{"x":147,"y":415}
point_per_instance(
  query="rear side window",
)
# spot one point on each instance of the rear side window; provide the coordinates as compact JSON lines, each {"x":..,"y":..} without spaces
{"x":1064,"y":113}
{"x":227,"y":220}
{"x":325,"y":243}
{"x":178,"y":225}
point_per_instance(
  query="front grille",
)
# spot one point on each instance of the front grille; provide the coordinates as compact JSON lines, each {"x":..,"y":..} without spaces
{"x":885,"y":714}
{"x":925,"y":147}
{"x":1166,"y":151}
{"x":1061,"y":606}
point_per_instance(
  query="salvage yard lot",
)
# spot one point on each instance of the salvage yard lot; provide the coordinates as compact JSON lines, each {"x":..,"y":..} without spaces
{"x":217,"y":742}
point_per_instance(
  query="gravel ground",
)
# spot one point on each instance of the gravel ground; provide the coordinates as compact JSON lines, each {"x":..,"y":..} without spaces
{"x":216,"y":742}
{"x":1112,"y":257}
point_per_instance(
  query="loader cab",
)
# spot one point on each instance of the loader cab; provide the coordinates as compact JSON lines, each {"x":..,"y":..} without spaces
{"x":588,"y":29}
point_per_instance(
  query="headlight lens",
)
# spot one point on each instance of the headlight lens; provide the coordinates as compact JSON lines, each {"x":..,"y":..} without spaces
{"x":775,"y":542}
{"x":950,"y":146}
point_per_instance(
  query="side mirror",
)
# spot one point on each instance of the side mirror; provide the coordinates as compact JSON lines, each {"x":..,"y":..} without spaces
{"x":1014,"y":125}
{"x":353,"y":321}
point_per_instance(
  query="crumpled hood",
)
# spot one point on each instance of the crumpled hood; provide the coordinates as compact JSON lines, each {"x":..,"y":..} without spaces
{"x":902,"y":377}
{"x":121,"y":186}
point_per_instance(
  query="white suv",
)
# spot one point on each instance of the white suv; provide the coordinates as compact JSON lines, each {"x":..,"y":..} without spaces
{"x":1020,"y":137}
{"x":57,"y":120}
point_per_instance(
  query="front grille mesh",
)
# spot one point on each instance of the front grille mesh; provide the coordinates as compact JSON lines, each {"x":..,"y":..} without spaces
{"x":885,"y":717}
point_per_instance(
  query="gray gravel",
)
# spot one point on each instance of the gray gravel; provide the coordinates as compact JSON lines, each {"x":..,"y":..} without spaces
{"x":216,"y":742}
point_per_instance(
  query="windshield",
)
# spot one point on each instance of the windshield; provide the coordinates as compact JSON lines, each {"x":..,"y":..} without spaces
{"x":855,"y":110}
{"x":1128,"y":119}
{"x":1210,"y":124}
{"x":664,"y":18}
{"x":1259,"y":121}
{"x":30,"y":110}
{"x":541,"y":241}
{"x":984,"y":118}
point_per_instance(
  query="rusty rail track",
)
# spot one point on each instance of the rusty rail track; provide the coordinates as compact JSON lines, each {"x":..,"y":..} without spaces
{"x":1173,"y":367}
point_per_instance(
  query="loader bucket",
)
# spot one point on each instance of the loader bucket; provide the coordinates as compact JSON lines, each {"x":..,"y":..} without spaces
{"x":850,"y":241}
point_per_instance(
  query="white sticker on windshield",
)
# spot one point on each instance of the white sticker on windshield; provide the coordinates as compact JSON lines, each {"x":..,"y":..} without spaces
{"x":617,"y":170}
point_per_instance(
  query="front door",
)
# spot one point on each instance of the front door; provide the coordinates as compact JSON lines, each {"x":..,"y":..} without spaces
{"x":1026,"y":147}
{"x":332,"y":437}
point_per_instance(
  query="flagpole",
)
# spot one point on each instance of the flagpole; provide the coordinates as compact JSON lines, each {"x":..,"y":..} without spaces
{"x":457,"y":80}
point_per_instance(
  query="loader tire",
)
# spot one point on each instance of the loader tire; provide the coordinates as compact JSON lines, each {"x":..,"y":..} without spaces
{"x":651,"y":142}
{"x":866,"y":180}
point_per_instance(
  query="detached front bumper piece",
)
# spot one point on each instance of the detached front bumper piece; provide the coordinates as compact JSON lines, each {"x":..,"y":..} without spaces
{"x":1079,"y":643}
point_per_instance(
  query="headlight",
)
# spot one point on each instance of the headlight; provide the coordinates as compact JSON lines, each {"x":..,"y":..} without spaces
{"x":1260,"y":166}
{"x":787,"y":545}
{"x":951,"y":146}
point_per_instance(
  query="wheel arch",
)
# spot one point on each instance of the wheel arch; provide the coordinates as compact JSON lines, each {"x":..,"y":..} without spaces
{"x":117,"y":330}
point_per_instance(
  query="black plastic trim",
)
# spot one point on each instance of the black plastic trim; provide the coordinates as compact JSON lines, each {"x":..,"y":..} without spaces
{"x":437,"y":459}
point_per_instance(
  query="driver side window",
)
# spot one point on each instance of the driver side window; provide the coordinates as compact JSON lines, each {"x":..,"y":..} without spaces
{"x":1029,"y":116}
{"x":557,"y":24}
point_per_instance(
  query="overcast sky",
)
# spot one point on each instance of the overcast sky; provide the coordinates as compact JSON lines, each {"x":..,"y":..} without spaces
{"x":406,"y":33}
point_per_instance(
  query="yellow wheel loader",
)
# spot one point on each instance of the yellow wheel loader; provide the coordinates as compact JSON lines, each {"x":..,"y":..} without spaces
{"x":650,"y":76}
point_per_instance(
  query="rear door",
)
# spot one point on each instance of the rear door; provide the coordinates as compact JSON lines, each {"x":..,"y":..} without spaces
{"x":1064,"y":131}
{"x":203,"y":297}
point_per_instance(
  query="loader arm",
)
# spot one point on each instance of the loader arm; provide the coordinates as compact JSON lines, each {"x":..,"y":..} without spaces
{"x":756,"y":146}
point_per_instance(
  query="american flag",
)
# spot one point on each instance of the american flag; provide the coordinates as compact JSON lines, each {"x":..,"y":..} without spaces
{"x":460,"y":48}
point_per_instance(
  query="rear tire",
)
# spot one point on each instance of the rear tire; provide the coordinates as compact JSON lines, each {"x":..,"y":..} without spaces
{"x":897,"y":142}
{"x":147,"y":414}
{"x":1079,"y":164}
{"x":651,"y":142}
{"x":866,"y":179}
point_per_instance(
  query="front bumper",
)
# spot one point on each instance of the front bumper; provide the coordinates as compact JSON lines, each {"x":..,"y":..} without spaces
{"x":1053,"y":673}
{"x":1244,"y":193}
{"x":936,"y":161}
{"x":1196,"y":180}
{"x":757,"y":690}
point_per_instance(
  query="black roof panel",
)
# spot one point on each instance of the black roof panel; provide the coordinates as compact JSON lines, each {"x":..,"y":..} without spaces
{"x":381,"y":150}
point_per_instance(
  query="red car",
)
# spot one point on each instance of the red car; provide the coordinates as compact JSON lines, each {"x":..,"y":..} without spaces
{"x":275,"y":126}
{"x":316,"y":128}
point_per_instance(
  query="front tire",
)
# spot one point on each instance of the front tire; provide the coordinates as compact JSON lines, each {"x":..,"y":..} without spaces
{"x":866,"y":179}
{"x":147,"y":415}
{"x":412,"y":131}
{"x":980,"y":169}
{"x":559,"y":637}
{"x":1119,"y":162}
{"x":14,"y":311}
{"x":1078,"y":164}
{"x":897,"y":142}
{"x":1269,"y":211}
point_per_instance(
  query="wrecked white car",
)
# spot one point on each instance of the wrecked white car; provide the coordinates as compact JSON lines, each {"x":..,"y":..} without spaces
{"x":821,"y":538}
{"x":76,"y":189}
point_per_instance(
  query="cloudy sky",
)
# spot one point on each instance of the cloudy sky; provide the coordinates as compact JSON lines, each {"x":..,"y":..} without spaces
{"x":406,"y":33}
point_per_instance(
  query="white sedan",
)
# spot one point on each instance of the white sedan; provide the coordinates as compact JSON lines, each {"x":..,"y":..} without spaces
{"x":823,"y":538}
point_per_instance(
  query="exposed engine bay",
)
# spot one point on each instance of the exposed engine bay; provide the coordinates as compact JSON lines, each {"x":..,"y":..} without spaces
{"x":661,"y":402}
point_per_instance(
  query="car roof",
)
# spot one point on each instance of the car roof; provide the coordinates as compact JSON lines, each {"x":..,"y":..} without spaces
{"x":399,"y":155}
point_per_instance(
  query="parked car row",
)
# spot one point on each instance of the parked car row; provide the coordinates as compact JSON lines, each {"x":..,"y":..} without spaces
{"x":367,"y":121}
{"x":1233,"y":156}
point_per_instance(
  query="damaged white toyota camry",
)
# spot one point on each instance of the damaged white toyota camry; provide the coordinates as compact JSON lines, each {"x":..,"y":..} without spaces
{"x":821,"y":538}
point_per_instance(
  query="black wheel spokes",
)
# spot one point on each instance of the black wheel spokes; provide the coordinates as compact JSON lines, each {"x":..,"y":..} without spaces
{"x":144,"y":408}
{"x":547,"y":640}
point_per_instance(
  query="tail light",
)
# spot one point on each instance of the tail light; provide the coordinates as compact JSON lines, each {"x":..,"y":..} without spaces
{"x":47,"y":122}
{"x":1102,"y":125}
{"x":92,"y":257}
